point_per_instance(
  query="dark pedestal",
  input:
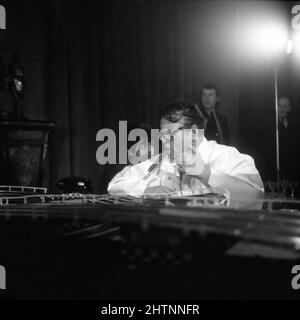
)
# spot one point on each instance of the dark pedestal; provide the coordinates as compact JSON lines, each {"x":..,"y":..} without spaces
{"x":23,"y":152}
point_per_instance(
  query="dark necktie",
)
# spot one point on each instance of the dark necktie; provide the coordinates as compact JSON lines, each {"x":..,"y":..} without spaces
{"x":219,"y":129}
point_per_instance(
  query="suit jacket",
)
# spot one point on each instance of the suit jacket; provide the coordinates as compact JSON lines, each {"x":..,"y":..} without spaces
{"x":211,"y":131}
{"x":288,"y":148}
{"x":289,"y":138}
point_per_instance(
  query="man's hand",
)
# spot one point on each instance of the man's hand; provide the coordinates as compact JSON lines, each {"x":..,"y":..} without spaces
{"x":188,"y":160}
{"x":193,"y":165}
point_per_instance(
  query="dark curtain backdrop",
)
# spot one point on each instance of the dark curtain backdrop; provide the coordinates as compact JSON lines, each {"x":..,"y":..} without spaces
{"x":123,"y":60}
{"x":92,"y":63}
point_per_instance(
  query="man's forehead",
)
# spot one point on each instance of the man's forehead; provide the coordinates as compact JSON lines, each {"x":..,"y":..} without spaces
{"x":209,"y":91}
{"x":165,"y":124}
{"x":284,"y":101}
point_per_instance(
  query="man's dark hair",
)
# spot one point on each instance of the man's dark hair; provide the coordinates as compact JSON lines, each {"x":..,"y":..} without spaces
{"x":211,"y":86}
{"x":175,"y":110}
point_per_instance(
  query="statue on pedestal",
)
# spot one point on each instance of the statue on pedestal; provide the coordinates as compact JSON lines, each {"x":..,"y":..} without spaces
{"x":12,"y":80}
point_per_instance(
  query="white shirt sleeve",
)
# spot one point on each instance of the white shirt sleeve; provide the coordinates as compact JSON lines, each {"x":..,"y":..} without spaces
{"x":233,"y":170}
{"x":132,"y":179}
{"x":129,"y":181}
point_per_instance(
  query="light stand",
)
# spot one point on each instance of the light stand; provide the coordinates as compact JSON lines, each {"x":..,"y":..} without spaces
{"x":277,"y":123}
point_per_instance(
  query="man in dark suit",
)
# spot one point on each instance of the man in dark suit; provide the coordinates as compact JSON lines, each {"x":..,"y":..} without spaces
{"x":217,"y":126}
{"x":288,"y":139}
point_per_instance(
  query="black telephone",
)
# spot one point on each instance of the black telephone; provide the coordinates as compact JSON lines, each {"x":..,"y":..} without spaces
{"x":75,"y":185}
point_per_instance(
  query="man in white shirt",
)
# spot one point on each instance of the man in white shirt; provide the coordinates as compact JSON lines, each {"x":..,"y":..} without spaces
{"x":196,"y":165}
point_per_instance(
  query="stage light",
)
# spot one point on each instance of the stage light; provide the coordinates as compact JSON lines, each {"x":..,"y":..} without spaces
{"x":266,"y":39}
{"x":289,"y":46}
{"x":270,"y":39}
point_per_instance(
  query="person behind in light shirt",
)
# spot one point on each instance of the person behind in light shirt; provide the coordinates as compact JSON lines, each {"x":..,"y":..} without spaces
{"x":194,"y":167}
{"x":217,"y":126}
